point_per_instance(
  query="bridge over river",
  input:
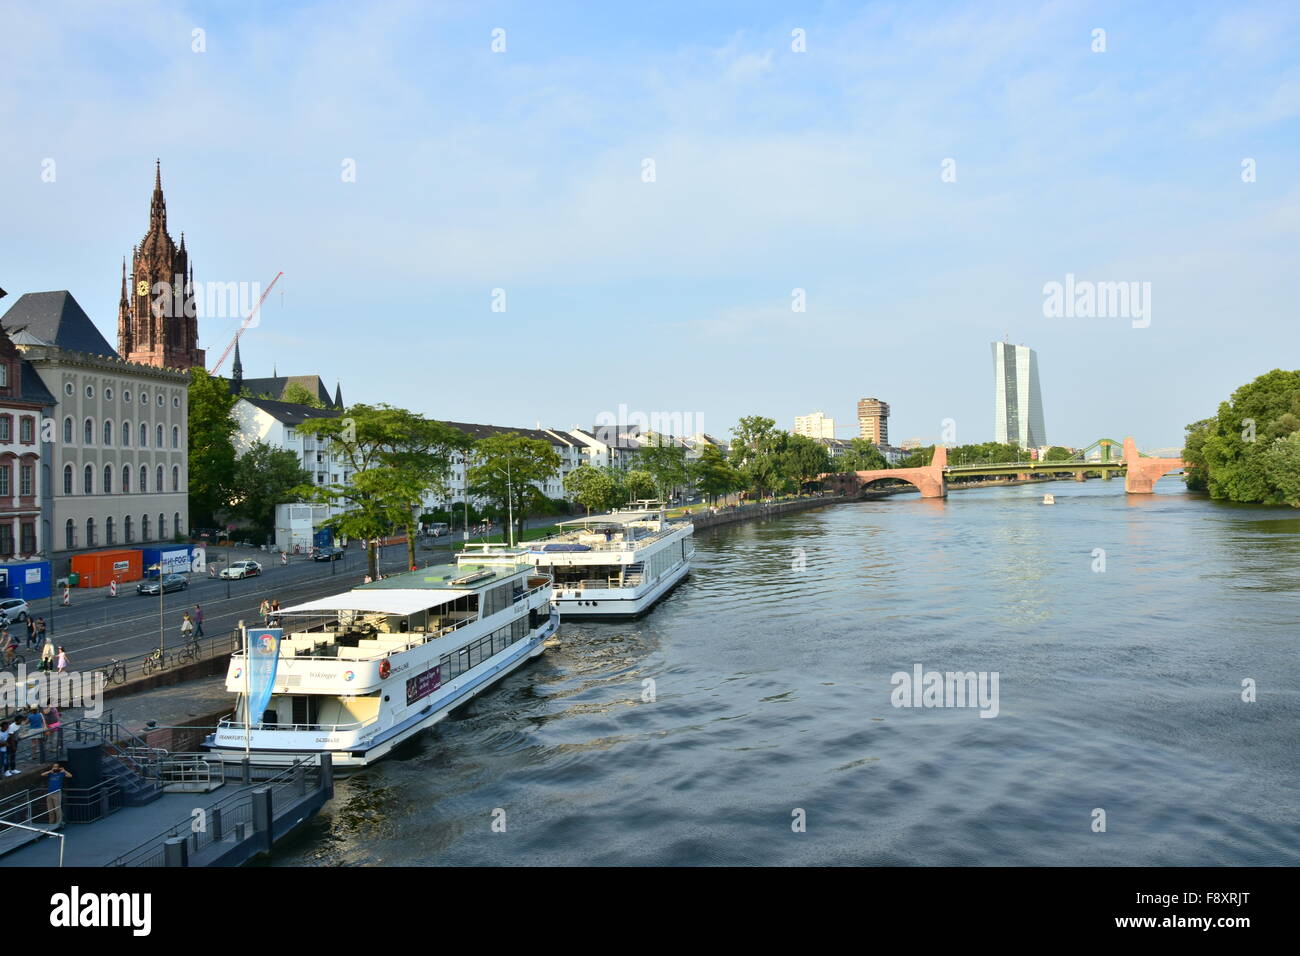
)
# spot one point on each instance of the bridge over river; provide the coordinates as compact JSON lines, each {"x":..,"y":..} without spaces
{"x":1141,"y":472}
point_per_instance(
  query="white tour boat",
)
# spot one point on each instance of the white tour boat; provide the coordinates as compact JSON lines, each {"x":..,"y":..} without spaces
{"x":373,"y":666}
{"x":614,"y":565}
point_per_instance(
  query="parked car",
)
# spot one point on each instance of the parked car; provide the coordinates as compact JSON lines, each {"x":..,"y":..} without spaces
{"x":170,"y":582}
{"x":241,"y":569}
{"x":328,"y":554}
{"x":12,"y":609}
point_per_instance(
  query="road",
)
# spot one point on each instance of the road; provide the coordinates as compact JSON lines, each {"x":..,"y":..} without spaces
{"x":97,"y":628}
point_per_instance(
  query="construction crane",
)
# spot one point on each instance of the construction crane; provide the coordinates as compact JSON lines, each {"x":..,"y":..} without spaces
{"x":246,"y":323}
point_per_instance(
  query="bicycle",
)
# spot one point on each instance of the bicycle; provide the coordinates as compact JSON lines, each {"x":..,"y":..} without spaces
{"x":157,"y":661}
{"x":116,"y":673}
{"x":13,"y":663}
{"x":190,"y":652}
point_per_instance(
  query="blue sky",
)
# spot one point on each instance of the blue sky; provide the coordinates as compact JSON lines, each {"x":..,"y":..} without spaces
{"x":775,"y":170}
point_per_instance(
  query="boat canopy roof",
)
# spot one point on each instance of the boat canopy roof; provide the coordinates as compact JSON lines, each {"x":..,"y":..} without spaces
{"x":616,"y":518}
{"x":381,"y":600}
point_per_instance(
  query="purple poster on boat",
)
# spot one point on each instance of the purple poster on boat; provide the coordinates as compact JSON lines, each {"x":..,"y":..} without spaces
{"x":422,"y":685}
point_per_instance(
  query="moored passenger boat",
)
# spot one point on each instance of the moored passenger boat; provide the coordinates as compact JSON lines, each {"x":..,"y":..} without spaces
{"x":357,"y":673}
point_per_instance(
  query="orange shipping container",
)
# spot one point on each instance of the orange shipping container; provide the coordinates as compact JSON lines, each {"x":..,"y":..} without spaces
{"x":97,"y":568}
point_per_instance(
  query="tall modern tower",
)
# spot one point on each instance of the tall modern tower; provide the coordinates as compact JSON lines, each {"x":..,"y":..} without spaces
{"x":1017,"y":400}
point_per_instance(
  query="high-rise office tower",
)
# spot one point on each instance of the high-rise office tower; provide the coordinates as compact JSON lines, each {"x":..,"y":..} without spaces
{"x":816,"y":425}
{"x":1017,"y":400}
{"x":873,"y":421}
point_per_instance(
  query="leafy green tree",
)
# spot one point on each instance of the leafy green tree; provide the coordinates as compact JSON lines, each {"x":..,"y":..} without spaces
{"x":714,"y":475}
{"x":861,"y":455}
{"x":640,"y":483}
{"x":754,"y":453}
{"x":1246,"y":451}
{"x":296,"y":394}
{"x":211,"y":450}
{"x":802,"y":459}
{"x":265,"y":477}
{"x":593,"y":488}
{"x":1057,"y":453}
{"x":508,"y":469}
{"x":665,"y":461}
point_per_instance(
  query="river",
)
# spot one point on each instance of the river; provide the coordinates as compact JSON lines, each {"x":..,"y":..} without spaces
{"x":770,"y":736}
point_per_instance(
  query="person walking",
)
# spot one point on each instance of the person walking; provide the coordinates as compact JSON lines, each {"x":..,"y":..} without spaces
{"x":265,"y":610}
{"x":4,"y":750}
{"x":61,"y":660}
{"x":31,"y":632}
{"x":275,"y":613}
{"x":47,"y":654}
{"x":53,"y":724}
{"x":13,"y":732}
{"x":198,"y":621}
{"x":54,"y":791}
{"x":36,"y":725}
{"x":187,"y":626}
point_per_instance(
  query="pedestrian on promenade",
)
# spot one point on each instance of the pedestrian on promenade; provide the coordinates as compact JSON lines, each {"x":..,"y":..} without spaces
{"x":31,"y":632}
{"x":61,"y":660}
{"x":53,"y":723}
{"x":4,"y":751}
{"x":36,"y":730}
{"x":47,"y":655}
{"x":54,"y":791}
{"x":40,"y":627}
{"x":265,"y":611}
{"x":187,"y":627}
{"x":10,"y":644}
{"x":13,"y":732}
{"x":198,"y":621}
{"x":275,"y":612}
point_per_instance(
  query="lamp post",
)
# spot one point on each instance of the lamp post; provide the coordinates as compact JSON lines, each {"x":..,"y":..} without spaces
{"x":161,"y":641}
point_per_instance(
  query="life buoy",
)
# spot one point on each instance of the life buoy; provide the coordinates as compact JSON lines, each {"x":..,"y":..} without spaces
{"x":384,"y":669}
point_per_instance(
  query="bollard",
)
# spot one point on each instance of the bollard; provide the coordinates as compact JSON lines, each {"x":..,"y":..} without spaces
{"x":246,"y":774}
{"x":175,"y":852}
{"x":300,"y":780}
{"x":214,"y":821}
{"x":327,"y":774}
{"x":262,"y":817}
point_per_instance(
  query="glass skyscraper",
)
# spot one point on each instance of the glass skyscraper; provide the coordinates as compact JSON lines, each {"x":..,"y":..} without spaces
{"x":1017,"y":402}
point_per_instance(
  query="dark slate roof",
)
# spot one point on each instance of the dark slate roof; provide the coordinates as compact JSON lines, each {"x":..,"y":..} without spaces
{"x":291,"y":414}
{"x":482,"y":431}
{"x":276,"y":385}
{"x":34,"y":389}
{"x":55,"y":317}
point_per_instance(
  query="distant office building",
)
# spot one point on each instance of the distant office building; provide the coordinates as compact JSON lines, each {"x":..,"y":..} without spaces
{"x":816,"y":425}
{"x":1018,"y":401}
{"x":873,"y":421}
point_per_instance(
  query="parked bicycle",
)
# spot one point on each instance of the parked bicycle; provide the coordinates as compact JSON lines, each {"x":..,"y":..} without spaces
{"x":115,"y":673}
{"x":188,"y":653}
{"x":157,"y":661}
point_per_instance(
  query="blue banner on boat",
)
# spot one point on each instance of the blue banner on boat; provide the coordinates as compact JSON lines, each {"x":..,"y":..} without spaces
{"x":263,"y":656}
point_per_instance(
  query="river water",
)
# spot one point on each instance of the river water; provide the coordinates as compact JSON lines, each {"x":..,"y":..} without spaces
{"x":1119,"y":690}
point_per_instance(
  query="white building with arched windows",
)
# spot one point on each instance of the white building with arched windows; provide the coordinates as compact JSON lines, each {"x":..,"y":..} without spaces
{"x":114,"y":453}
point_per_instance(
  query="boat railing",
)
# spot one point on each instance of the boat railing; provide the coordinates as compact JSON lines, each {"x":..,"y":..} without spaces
{"x":229,"y":723}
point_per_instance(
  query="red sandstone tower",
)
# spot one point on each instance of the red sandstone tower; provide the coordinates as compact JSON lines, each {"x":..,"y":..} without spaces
{"x":157,"y":317}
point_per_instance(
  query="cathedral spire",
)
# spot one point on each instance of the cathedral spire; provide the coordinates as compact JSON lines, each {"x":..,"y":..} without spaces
{"x":237,"y":376}
{"x":158,"y":205}
{"x":125,"y":300}
{"x":338,"y":394}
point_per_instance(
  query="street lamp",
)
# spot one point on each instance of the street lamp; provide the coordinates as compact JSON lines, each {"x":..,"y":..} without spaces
{"x":158,"y":568}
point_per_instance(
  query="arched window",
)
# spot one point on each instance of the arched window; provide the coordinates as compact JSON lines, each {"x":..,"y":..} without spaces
{"x":176,"y":436}
{"x":90,"y":532}
{"x":88,"y":481}
{"x":69,"y":536}
{"x":176,"y":523}
{"x":108,"y":531}
{"x":162,"y":527}
{"x":176,"y":477}
{"x":144,"y":435}
{"x":158,"y":485}
{"x":144,"y":527}
{"x":108,"y":432}
{"x":144,"y":478}
{"x":108,"y":479}
{"x":126,"y":479}
{"x":126,"y":524}
{"x":67,"y":479}
{"x":158,"y":438}
{"x":88,"y":432}
{"x":67,"y":430}
{"x":126,"y":434}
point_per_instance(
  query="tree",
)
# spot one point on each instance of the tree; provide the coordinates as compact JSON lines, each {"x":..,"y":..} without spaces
{"x":1057,"y":453}
{"x":211,"y":450}
{"x":861,"y":455}
{"x":802,"y":459}
{"x":296,"y":394}
{"x":593,"y":488}
{"x":639,"y":483}
{"x":754,"y":452}
{"x":1247,"y":451}
{"x":508,"y":469}
{"x":665,"y":461}
{"x":265,"y":477}
{"x":714,"y":475}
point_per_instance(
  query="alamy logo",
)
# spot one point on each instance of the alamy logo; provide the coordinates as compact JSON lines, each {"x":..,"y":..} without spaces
{"x":76,"y":909}
{"x":1084,"y":299}
{"x":923,"y":688}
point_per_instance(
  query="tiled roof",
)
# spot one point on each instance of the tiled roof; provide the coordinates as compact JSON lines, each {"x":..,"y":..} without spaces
{"x":56,"y":319}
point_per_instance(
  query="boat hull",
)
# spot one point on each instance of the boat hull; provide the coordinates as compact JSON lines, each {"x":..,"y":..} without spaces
{"x":600,"y":605}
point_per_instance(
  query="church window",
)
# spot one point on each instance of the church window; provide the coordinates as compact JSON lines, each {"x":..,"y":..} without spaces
{"x":67,"y":431}
{"x":67,"y":479}
{"x":88,"y":480}
{"x":88,"y":432}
